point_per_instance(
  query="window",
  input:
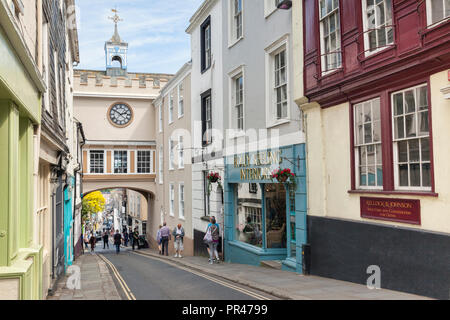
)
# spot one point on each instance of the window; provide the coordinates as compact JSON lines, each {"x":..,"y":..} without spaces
{"x":160,"y":116}
{"x":206,"y":45}
{"x":121,"y":161}
{"x":252,"y":187}
{"x":161,"y":164}
{"x":180,"y":152}
{"x":97,"y":161}
{"x":270,"y":6}
{"x":170,"y":107}
{"x":181,"y":200}
{"x":205,"y":192}
{"x":236,"y":17}
{"x":280,"y":85}
{"x":437,"y":11}
{"x":330,"y":35}
{"x":378,"y":27}
{"x":206,"y":118}
{"x":411,"y":135}
{"x":144,"y":161}
{"x":249,"y":216}
{"x":180,"y":100}
{"x":239,"y":101}
{"x":367,"y":143}
{"x":171,"y":155}
{"x":172,"y":199}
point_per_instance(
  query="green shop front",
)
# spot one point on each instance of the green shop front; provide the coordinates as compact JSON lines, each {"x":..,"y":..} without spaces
{"x":265,"y":219}
{"x":20,"y":91}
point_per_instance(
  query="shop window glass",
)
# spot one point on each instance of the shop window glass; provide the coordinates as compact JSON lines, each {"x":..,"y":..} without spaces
{"x":249,"y":215}
{"x":275,"y":206}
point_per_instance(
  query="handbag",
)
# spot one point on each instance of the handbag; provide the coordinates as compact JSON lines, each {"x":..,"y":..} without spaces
{"x":208,"y":237}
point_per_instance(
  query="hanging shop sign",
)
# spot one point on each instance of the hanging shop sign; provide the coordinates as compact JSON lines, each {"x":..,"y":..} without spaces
{"x":258,"y":165}
{"x":398,"y":210}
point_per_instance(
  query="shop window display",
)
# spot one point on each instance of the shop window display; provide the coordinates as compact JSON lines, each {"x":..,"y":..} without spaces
{"x":275,"y":205}
{"x":249,"y":215}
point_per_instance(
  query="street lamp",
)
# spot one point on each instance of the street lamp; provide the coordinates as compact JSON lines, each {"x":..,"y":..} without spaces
{"x":285,"y":5}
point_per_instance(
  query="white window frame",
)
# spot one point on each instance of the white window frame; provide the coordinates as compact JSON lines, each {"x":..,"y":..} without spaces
{"x":180,"y":90}
{"x":208,"y":50}
{"x":430,"y":23}
{"x":180,"y":148}
{"x":233,"y":37}
{"x":128,"y":161}
{"x":322,"y":43}
{"x":367,"y":28}
{"x":395,"y":143}
{"x":271,"y":116}
{"x":161,"y":164}
{"x":172,"y":199}
{"x":137,"y":160}
{"x":232,"y":77}
{"x":181,"y":200}
{"x":170,"y":107}
{"x":160,"y":118}
{"x":364,"y":144}
{"x":171,"y":154}
{"x":89,"y":162}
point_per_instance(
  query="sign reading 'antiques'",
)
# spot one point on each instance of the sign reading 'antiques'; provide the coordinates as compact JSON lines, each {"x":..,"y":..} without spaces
{"x":399,"y":210}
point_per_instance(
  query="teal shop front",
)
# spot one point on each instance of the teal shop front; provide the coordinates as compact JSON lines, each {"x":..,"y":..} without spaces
{"x":68,"y":223}
{"x":265,"y":219}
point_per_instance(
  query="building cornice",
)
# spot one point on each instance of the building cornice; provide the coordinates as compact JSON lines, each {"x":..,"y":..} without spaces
{"x":200,"y":14}
{"x":114,"y":96}
{"x":178,"y":77}
{"x":120,"y":143}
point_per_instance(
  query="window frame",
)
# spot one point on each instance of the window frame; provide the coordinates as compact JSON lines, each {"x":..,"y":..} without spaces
{"x":429,"y":12}
{"x":204,"y":98}
{"x":171,"y":155}
{"x":170,"y":98}
{"x":325,"y":71}
{"x":161,"y":164}
{"x":180,"y":99}
{"x":181,"y":200}
{"x":395,"y":142}
{"x":160,"y":118}
{"x":104,"y":161}
{"x":206,"y":60}
{"x":180,"y":148}
{"x":387,"y":138}
{"x":172,"y":199}
{"x":233,"y":76}
{"x":233,"y":37}
{"x":206,"y":198}
{"x":113,"y":166}
{"x":278,"y":46}
{"x":366,"y":30}
{"x":150,"y":151}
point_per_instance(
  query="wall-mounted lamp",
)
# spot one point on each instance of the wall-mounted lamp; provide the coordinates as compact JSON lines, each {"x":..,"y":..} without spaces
{"x":285,"y":5}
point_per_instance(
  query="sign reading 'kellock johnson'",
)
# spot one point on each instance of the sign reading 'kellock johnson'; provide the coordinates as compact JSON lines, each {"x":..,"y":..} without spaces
{"x":260,"y":163}
{"x":399,"y":210}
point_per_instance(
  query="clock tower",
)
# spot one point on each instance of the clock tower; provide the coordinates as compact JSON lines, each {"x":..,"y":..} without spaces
{"x":116,"y":51}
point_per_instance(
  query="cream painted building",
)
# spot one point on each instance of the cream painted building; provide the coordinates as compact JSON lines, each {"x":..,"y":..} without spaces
{"x":376,"y":115}
{"x":116,"y":109}
{"x":174,"y":173}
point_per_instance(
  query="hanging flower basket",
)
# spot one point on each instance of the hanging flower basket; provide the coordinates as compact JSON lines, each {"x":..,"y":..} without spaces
{"x":213,"y":177}
{"x":284,"y":176}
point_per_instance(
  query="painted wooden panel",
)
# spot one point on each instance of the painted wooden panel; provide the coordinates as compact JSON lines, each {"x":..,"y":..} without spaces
{"x":108,"y":162}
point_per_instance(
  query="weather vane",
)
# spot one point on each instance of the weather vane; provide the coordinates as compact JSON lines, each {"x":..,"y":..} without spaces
{"x":116,"y":18}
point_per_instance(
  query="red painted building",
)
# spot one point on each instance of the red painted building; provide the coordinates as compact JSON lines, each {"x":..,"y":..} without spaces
{"x":376,"y":77}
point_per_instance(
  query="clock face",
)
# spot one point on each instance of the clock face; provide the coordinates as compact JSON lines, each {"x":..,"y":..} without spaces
{"x":120,"y":114}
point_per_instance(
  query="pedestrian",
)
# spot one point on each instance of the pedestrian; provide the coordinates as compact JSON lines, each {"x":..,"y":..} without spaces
{"x":178,"y":235}
{"x":165,"y":237}
{"x":117,"y":241}
{"x":92,"y":241}
{"x":105,"y":239}
{"x":212,"y":237}
{"x":158,"y":238}
{"x":86,"y":241}
{"x":125,"y":238}
{"x":135,"y":237}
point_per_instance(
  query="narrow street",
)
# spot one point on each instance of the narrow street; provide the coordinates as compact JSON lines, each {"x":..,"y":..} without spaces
{"x":142,"y":277}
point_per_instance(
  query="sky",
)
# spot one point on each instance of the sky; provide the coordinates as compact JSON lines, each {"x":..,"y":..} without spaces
{"x":154,"y":30}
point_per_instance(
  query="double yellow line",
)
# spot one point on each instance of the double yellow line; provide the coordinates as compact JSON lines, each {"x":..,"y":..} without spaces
{"x":119,"y":278}
{"x":223,"y":283}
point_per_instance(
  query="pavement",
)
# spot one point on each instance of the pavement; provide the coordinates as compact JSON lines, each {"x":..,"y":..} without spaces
{"x":96,"y":282}
{"x":285,"y":284}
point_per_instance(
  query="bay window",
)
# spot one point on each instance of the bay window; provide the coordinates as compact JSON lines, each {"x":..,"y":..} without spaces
{"x":437,"y":11}
{"x":330,"y":36}
{"x":378,"y":29}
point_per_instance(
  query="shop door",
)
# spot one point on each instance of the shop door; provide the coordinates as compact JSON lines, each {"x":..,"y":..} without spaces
{"x":275,"y":207}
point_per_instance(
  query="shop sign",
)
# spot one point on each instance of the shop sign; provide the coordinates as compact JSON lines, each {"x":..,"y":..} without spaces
{"x":257,"y":166}
{"x":398,"y":210}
